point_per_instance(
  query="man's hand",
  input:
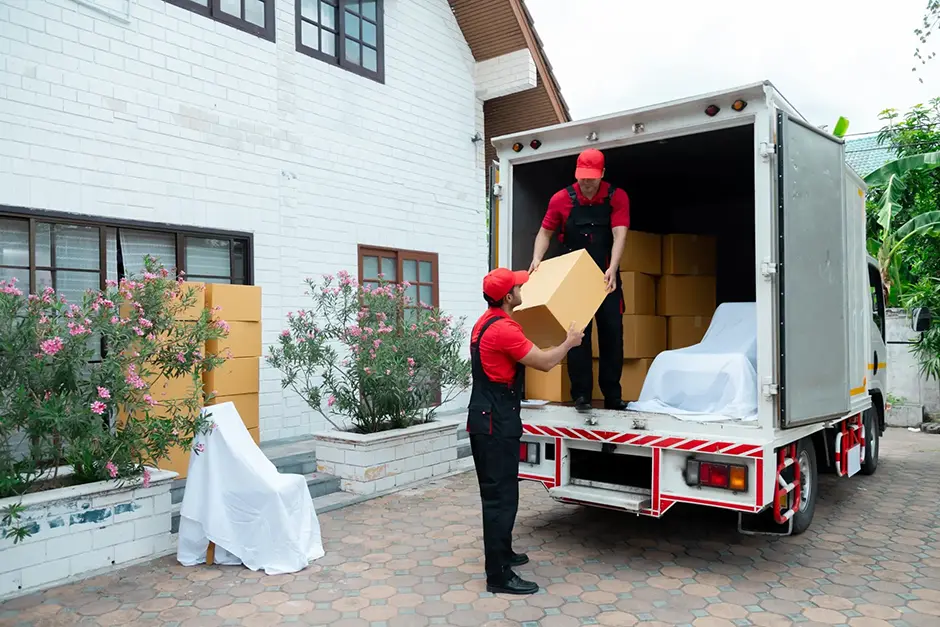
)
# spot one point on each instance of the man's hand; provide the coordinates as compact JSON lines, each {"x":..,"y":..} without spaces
{"x":574,"y":336}
{"x":534,"y":265}
{"x":610,"y":277}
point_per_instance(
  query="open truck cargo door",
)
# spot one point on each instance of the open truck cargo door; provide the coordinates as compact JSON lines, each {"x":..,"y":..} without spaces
{"x":813,"y":376}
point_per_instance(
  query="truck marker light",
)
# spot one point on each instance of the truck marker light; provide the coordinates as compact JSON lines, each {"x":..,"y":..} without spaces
{"x":712,"y":110}
{"x":517,"y":147}
{"x":535,"y":144}
{"x":529,"y":452}
{"x":739,"y":105}
{"x":714,"y":475}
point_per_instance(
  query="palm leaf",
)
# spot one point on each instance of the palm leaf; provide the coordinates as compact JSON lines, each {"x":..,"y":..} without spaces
{"x":924,"y":224}
{"x":902,"y":166}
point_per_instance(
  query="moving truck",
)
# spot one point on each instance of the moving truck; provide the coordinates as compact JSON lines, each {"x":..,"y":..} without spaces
{"x":743,"y":168}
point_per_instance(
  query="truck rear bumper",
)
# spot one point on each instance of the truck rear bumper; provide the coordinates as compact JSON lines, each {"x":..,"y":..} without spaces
{"x":652,"y":492}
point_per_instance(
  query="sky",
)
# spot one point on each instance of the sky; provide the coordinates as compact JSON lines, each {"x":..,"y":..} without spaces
{"x":827,"y":57}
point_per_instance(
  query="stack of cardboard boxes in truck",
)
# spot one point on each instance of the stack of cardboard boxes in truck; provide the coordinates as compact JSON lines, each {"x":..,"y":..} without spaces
{"x":669,"y":298}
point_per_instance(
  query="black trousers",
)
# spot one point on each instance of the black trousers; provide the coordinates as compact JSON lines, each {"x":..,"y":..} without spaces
{"x":497,"y":466}
{"x":609,"y":319}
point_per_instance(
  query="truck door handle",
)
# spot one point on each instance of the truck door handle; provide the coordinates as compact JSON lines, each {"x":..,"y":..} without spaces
{"x":875,"y":368}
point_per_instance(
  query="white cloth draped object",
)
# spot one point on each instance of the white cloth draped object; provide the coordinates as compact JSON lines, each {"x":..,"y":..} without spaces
{"x":237,"y":499}
{"x":715,"y":379}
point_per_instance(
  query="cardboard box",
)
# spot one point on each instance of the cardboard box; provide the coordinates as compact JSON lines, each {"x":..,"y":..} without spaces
{"x":248,"y":407}
{"x":255,"y":434}
{"x":642,"y":253}
{"x":639,"y":293}
{"x":689,"y":254}
{"x":175,"y":388}
{"x":553,"y":385}
{"x":239,"y":303}
{"x":234,"y":377}
{"x":632,"y":377}
{"x":244,"y":340}
{"x":643,"y":336}
{"x":195,"y":311}
{"x":682,"y":331}
{"x":566,"y":289}
{"x":178,"y":461}
{"x":685,"y":296}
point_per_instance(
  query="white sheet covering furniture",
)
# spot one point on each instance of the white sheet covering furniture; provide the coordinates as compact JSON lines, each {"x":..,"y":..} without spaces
{"x":715,"y":379}
{"x":236,"y":498}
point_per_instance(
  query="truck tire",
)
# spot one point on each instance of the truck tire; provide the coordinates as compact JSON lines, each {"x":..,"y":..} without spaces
{"x":872,"y":441}
{"x":809,"y":485}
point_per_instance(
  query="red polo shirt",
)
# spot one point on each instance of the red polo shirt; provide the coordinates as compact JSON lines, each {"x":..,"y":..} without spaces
{"x":559,"y":207}
{"x":503,"y":346}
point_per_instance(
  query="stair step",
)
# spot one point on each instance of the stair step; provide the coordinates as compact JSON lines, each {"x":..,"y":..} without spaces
{"x":632,"y":501}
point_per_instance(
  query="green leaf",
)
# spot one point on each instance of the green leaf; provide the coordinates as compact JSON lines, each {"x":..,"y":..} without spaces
{"x":900,"y":167}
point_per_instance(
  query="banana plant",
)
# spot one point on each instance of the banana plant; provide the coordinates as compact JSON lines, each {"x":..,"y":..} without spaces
{"x":890,"y":177}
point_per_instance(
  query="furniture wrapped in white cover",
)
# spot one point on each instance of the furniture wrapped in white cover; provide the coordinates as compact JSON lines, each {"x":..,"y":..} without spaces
{"x":236,"y":498}
{"x":715,"y":379}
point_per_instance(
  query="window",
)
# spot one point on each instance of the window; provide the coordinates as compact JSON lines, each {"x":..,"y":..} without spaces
{"x":400,"y":266}
{"x":252,"y":16}
{"x":73,"y":255}
{"x":346,"y":33}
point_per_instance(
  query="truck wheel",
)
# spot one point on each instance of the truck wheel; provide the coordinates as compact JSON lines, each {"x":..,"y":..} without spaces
{"x":872,"y":441}
{"x":809,"y":485}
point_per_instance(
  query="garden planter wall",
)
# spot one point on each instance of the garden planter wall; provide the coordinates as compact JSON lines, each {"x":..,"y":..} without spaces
{"x":374,"y":462}
{"x":80,"y":530}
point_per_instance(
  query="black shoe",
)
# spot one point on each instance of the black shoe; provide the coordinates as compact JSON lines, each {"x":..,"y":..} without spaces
{"x":513,"y":585}
{"x":618,"y":405}
{"x":518,"y":559}
{"x":582,"y":404}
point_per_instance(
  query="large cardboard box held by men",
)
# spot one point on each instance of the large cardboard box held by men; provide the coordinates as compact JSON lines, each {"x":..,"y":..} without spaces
{"x":566,"y":289}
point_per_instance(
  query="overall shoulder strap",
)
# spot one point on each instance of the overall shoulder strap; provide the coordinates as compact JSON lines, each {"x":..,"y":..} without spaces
{"x":573,"y":195}
{"x":487,"y":325}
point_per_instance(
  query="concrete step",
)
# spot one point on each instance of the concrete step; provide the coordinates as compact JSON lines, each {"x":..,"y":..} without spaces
{"x":319,"y":484}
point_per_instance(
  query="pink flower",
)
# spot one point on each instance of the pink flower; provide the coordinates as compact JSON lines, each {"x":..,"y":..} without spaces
{"x":53,"y":346}
{"x":149,"y":400}
{"x":47,"y":396}
{"x":146,"y":478}
{"x":145,"y":323}
{"x":223,"y":325}
{"x":180,"y":357}
{"x":377,"y":343}
{"x":10,"y":288}
{"x":133,"y":379}
{"x":112,"y":469}
{"x":98,"y":407}
{"x":411,"y":362}
{"x":331,"y":401}
{"x":103,"y":392}
{"x":200,"y":447}
{"x":285,"y":333}
{"x":115,"y":319}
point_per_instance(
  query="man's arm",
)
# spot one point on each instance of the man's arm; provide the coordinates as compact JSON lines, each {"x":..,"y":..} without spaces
{"x":620,"y":241}
{"x":545,"y":360}
{"x":542,"y":241}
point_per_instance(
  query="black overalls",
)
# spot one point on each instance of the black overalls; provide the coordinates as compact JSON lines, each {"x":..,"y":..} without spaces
{"x":495,"y":428}
{"x":588,"y":228}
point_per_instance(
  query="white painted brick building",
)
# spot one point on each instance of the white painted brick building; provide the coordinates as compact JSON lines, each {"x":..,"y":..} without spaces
{"x":165,"y":127}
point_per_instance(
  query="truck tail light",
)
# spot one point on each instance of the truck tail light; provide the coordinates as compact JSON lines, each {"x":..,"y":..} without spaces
{"x":714,"y":475}
{"x":529,"y":452}
{"x":712,"y":110}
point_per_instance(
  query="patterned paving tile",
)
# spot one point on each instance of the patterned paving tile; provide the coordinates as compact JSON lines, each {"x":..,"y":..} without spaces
{"x":871,"y":559}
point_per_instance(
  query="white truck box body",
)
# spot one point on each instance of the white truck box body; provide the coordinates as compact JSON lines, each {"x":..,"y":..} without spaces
{"x":812,"y":297}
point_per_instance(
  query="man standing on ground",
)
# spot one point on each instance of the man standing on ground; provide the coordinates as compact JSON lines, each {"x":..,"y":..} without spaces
{"x":594,"y":216}
{"x":499,"y":351}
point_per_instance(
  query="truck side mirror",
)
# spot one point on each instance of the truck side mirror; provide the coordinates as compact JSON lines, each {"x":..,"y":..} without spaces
{"x":921,"y":319}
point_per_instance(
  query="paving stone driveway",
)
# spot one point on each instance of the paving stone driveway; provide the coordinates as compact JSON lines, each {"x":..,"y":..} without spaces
{"x":872,"y":557}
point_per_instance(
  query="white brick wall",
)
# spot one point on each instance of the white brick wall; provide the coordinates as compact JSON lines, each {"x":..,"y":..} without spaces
{"x":171,"y":117}
{"x":77,"y":531}
{"x":506,"y":74}
{"x":379,"y":462}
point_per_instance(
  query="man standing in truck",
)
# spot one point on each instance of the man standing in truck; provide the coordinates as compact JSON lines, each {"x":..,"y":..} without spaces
{"x":593,"y":215}
{"x":499,"y":351}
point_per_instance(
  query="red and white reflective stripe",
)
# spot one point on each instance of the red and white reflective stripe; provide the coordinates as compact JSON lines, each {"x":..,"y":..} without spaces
{"x":691,"y":445}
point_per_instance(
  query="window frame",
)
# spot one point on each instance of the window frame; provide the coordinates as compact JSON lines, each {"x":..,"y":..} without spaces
{"x":401,"y":255}
{"x":876,"y":288}
{"x":34,"y":216}
{"x":339,"y":59}
{"x":213,"y":10}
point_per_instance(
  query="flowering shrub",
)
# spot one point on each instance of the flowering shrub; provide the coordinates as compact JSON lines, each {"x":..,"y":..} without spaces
{"x":371,"y":355}
{"x":76,"y":380}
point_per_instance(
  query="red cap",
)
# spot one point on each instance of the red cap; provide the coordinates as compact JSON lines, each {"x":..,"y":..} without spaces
{"x":498,"y":283}
{"x":590,"y":164}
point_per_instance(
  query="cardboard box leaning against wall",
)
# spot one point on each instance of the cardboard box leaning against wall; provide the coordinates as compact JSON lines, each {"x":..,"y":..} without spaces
{"x":685,"y":296}
{"x":569,"y":288}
